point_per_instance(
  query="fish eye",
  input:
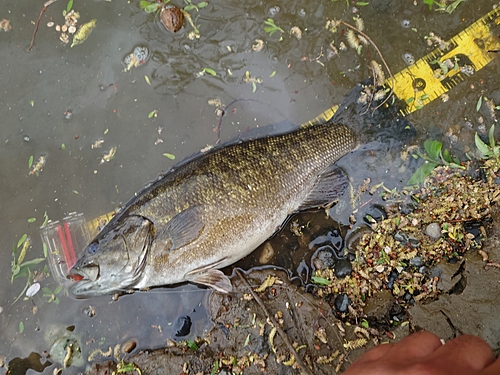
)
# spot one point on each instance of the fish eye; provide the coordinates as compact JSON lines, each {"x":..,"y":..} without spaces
{"x":92,"y":248}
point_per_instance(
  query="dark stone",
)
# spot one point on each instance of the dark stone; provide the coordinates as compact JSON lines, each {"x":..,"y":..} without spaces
{"x":416,"y":262}
{"x":392,"y":277}
{"x":406,"y":240}
{"x":343,"y":268}
{"x":341,"y":303}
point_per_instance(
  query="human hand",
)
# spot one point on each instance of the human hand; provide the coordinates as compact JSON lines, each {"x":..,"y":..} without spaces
{"x":423,"y":353}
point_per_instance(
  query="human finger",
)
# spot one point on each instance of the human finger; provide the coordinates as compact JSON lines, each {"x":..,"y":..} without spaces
{"x":415,"y":346}
{"x":375,"y":353}
{"x":472,"y":354}
{"x":493,"y":369}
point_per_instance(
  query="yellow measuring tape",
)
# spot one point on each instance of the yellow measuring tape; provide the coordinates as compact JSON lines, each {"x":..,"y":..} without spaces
{"x":441,"y":70}
{"x":425,"y":80}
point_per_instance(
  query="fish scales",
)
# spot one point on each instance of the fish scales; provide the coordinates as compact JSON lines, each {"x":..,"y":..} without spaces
{"x":210,"y":212}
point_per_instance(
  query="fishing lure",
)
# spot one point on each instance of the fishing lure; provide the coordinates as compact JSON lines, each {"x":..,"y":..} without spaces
{"x":82,"y":34}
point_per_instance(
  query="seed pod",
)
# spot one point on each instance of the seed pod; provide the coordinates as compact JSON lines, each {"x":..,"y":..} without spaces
{"x":172,"y":18}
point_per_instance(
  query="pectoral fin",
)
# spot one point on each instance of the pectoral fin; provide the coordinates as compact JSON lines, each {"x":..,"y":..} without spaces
{"x":330,"y":186}
{"x":212,"y":278}
{"x":182,"y":229}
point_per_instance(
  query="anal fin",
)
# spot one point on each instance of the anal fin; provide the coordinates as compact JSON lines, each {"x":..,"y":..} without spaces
{"x":212,"y":278}
{"x":330,"y":186}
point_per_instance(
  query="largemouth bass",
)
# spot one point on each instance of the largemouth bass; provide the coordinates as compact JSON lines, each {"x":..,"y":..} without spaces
{"x":209,"y":212}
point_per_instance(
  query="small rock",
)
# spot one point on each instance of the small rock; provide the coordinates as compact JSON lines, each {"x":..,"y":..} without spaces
{"x":341,"y":303}
{"x":416,"y":262}
{"x":128,"y":346}
{"x":379,"y":305}
{"x":433,"y":230}
{"x":343,"y":268}
{"x":266,"y":254}
{"x":392,"y":277}
{"x":405,"y":239}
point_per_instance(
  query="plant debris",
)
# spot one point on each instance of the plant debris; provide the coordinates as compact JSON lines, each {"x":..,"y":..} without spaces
{"x":396,"y":254}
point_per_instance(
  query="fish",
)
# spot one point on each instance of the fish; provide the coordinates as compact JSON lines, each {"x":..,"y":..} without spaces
{"x":214,"y":209}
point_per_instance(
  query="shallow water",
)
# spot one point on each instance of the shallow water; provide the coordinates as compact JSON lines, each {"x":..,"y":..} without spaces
{"x":55,"y":95}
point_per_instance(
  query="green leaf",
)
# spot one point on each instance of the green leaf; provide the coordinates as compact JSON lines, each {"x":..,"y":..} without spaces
{"x":63,"y":146}
{"x":58,"y":289}
{"x":450,"y":8}
{"x":481,"y":146}
{"x":421,"y":173}
{"x":254,"y":86}
{"x":170,"y":156}
{"x":433,"y":149}
{"x":320,"y":280}
{"x":189,"y":7}
{"x":31,"y":263}
{"x":362,"y":3}
{"x":30,"y":161}
{"x":45,"y":250}
{"x":45,"y":218}
{"x":365,"y":324}
{"x":21,"y":240}
{"x":215,"y":368}
{"x":31,"y":219}
{"x":446,"y":156}
{"x":152,"y":113}
{"x":479,"y":103}
{"x":202,"y":4}
{"x":410,"y":100}
{"x":75,"y":192}
{"x":21,"y":327}
{"x":192,"y":345}
{"x":491,"y":136}
{"x":69,"y":6}
{"x":210,"y":71}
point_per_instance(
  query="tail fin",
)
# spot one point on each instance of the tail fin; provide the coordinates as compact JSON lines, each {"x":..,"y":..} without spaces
{"x":377,"y":127}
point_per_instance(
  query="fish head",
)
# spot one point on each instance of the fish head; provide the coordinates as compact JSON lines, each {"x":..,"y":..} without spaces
{"x":115,"y":260}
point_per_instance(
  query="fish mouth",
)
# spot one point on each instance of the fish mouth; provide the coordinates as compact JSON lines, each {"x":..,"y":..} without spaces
{"x":89,"y":273}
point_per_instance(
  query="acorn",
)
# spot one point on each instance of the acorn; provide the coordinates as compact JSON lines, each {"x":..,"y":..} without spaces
{"x":172,"y":18}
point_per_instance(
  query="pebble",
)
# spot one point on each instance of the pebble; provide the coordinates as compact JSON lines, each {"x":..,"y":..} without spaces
{"x":416,"y":262}
{"x":433,"y":230}
{"x":266,"y":254}
{"x":343,"y":268}
{"x":128,"y":346}
{"x":341,"y":303}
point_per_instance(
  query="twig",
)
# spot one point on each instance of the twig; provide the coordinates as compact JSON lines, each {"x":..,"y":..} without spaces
{"x":45,"y":6}
{"x":224,"y":111}
{"x":381,"y":57}
{"x":282,"y":333}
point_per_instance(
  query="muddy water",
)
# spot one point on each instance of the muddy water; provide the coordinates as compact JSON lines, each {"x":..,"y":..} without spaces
{"x":57,"y":101}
